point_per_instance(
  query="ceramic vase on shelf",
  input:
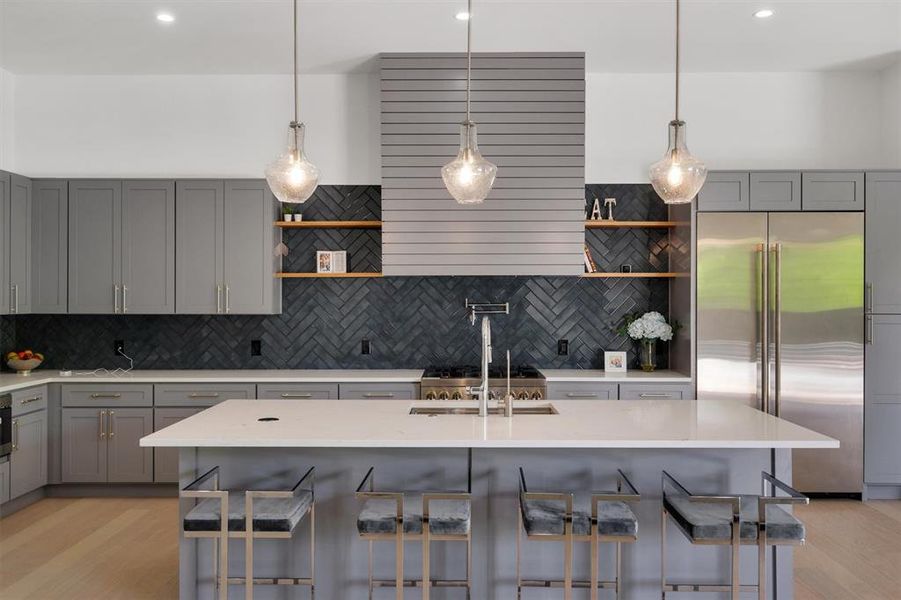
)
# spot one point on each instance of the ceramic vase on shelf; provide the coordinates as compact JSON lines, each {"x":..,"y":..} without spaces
{"x":648,"y":355}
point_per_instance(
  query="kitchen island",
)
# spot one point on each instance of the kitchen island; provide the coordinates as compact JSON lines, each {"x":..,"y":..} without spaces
{"x":711,"y":446}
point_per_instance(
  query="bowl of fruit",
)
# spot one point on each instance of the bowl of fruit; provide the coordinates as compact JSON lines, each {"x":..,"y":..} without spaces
{"x":25,"y":361}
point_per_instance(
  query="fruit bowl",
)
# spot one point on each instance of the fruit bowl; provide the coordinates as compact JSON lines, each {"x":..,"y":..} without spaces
{"x":24,"y":362}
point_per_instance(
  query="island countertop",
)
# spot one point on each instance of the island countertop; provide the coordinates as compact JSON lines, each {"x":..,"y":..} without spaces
{"x":579,"y":424}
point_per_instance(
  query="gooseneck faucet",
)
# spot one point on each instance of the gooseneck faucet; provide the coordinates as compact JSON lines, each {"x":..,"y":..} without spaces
{"x":482,"y":392}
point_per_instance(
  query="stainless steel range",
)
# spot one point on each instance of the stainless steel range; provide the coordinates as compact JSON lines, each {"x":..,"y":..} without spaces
{"x":451,"y":383}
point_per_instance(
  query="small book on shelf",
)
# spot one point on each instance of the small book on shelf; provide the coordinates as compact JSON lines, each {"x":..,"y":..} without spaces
{"x":590,"y":265}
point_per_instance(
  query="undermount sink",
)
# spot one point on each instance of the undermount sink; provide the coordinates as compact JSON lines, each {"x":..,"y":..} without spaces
{"x":435,"y":411}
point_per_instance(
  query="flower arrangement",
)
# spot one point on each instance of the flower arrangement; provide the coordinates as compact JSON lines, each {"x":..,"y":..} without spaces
{"x":648,"y":328}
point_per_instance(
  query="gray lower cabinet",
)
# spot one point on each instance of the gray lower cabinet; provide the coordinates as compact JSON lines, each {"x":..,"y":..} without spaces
{"x":773,"y":191}
{"x":882,"y":406}
{"x":883,"y":216}
{"x":148,"y":247}
{"x":655,"y":391}
{"x":49,"y":246}
{"x":726,"y":191}
{"x":378,"y":391}
{"x":297,"y":391}
{"x":28,"y":458}
{"x":101,"y":445}
{"x":200,"y":394}
{"x":165,"y":460}
{"x":20,"y":191}
{"x":4,"y":481}
{"x":127,"y":461}
{"x":832,"y":191}
{"x":102,"y":395}
{"x":84,"y":451}
{"x":4,"y":243}
{"x":566,"y":390}
{"x":29,"y":400}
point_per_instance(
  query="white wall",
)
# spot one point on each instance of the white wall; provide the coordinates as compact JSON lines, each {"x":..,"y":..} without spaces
{"x":193,"y":126}
{"x":6,"y":120}
{"x":891,"y":85}
{"x":232,"y":126}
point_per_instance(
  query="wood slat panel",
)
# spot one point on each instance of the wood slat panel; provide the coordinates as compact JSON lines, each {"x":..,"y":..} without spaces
{"x":391,"y":63}
{"x":485,"y":96}
{"x":486,"y":215}
{"x":391,"y":162}
{"x":484,"y":74}
{"x":428,"y":227}
{"x":501,"y":183}
{"x":575,"y":195}
{"x":483,"y":117}
{"x":489,"y":249}
{"x":485,"y":129}
{"x":481,"y":259}
{"x":449,"y":204}
{"x":487,"y":150}
{"x":577,"y":172}
{"x":514,"y":138}
{"x":481,"y":85}
{"x":477,"y":107}
{"x":474,"y":237}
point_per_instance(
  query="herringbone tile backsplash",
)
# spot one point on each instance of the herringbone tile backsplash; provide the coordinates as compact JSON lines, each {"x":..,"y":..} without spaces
{"x":411,"y":321}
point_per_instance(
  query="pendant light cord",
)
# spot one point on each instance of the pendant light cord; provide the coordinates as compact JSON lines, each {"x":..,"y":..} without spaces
{"x":296,"y":102}
{"x":678,"y":32}
{"x":469,"y":63}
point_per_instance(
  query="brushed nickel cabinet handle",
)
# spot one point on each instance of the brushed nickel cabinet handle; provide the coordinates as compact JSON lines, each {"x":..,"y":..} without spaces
{"x":106,"y":395}
{"x":30,"y":400}
{"x":109,"y":423}
{"x":124,"y":299}
{"x":655,"y":395}
{"x":586,"y":395}
{"x":228,"y":300}
{"x":15,"y":291}
{"x":297,"y":395}
{"x":116,"y":298}
{"x":15,"y":445}
{"x":102,"y":427}
{"x":374,"y":395}
{"x":870,"y":331}
{"x":218,"y":299}
{"x":869,"y":298}
{"x":203,"y":395}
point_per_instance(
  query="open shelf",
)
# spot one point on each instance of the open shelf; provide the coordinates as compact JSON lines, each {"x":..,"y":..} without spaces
{"x":329,"y":224}
{"x":633,"y":275}
{"x":634,"y":224}
{"x":326,"y":275}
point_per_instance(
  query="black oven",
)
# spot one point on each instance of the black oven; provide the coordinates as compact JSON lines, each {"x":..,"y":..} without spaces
{"x":6,"y":424}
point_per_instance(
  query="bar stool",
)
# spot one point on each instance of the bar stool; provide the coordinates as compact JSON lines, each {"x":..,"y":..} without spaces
{"x":730,"y":520}
{"x":445,"y":517}
{"x":550,"y":517}
{"x":266,"y":514}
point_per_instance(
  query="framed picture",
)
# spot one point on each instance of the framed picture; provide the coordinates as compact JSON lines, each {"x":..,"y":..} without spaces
{"x":615,"y":362}
{"x":324,"y":261}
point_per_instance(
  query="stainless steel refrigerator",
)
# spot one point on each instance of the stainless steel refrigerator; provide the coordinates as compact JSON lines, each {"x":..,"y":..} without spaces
{"x":780,"y":320}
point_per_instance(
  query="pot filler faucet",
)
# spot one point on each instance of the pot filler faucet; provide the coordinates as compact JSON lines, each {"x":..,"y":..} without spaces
{"x":481,"y":393}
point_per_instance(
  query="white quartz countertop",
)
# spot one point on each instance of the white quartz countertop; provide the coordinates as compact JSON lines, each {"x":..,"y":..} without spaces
{"x":579,"y":424}
{"x":593,"y":376}
{"x":13,"y":381}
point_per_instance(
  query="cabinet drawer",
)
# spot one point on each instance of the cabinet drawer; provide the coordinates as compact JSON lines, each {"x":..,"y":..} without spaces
{"x":582,"y":391}
{"x":29,"y":400}
{"x":106,"y":394}
{"x":655,"y":391}
{"x":204,"y":394}
{"x":725,"y":191}
{"x":882,"y":444}
{"x":838,"y":190}
{"x":297,"y":391}
{"x":378,"y":391}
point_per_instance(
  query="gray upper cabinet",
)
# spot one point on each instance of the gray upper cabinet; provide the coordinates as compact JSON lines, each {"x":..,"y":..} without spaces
{"x":198,"y":234}
{"x":95,"y":257}
{"x":49,"y":246}
{"x":775,"y":190}
{"x":20,"y":191}
{"x":883,"y":216}
{"x":4,"y":243}
{"x":530,"y":108}
{"x":726,"y":191}
{"x":226,"y":239}
{"x":833,"y":191}
{"x":148,"y":247}
{"x":28,"y":459}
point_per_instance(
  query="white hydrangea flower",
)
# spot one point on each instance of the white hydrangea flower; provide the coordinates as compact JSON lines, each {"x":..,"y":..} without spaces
{"x":651,"y":325}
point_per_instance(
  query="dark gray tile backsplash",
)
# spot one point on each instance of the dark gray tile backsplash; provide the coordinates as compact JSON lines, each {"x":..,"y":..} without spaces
{"x":411,"y":321}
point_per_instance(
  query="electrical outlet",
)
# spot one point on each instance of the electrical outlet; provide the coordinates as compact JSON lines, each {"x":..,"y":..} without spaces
{"x":119,"y":347}
{"x":256,"y":347}
{"x":562,"y":347}
{"x":365,"y":347}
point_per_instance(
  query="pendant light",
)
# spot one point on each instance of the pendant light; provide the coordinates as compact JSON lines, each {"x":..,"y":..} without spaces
{"x":469,"y":177}
{"x":678,"y":176}
{"x":291,"y":177}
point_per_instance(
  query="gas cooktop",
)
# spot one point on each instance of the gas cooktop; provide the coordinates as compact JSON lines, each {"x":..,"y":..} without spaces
{"x":452,"y":382}
{"x":475,"y":372}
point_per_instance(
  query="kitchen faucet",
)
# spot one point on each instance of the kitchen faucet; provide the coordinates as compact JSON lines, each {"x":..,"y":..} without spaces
{"x":481,"y":393}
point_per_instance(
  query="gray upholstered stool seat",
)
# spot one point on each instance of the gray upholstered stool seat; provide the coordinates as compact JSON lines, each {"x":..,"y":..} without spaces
{"x":704,"y":522}
{"x":447,"y":517}
{"x":546,"y":517}
{"x":269,"y":514}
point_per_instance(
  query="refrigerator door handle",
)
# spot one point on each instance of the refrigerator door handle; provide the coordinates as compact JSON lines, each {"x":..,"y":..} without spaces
{"x":763,"y":333}
{"x":777,"y":328}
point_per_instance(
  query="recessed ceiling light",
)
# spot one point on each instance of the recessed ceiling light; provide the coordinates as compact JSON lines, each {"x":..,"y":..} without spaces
{"x":764,"y":13}
{"x":462,"y":16}
{"x":165,"y":18}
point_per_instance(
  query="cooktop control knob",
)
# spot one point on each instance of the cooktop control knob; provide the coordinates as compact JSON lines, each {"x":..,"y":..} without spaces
{"x":536,"y":395}
{"x":523,"y":396}
{"x":430,"y":396}
{"x":457,"y":396}
{"x":442,"y":395}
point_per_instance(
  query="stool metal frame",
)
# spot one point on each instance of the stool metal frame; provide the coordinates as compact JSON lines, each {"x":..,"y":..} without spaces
{"x":366,"y":491}
{"x":769,"y":483}
{"x":569,"y":538}
{"x":221,"y":536}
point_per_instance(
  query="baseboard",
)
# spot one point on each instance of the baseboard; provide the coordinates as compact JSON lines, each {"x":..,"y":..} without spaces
{"x":17,"y":504}
{"x":106,"y":490}
{"x":882,"y":492}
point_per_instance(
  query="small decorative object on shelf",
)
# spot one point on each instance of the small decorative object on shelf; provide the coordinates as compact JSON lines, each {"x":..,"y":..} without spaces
{"x":281,"y":249}
{"x":287,"y":213}
{"x":595,"y":211}
{"x":615,"y":362}
{"x":648,"y":328}
{"x":590,"y":265}
{"x":609,"y":203}
{"x":25,"y":361}
{"x":331,"y":261}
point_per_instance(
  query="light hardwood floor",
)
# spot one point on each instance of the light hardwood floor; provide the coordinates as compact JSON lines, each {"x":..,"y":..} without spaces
{"x":126,"y":548}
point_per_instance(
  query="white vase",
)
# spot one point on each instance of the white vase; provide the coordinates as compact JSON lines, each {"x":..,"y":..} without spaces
{"x":288,"y":218}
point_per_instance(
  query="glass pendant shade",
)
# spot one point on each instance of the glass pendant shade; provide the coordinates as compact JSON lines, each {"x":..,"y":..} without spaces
{"x":291,"y":177}
{"x":469,"y":177}
{"x":678,"y":176}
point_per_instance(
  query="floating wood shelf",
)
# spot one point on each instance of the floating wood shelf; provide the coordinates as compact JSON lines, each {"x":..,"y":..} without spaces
{"x":634,"y":275}
{"x":329,"y":224}
{"x":635,"y":224}
{"x":326,"y":275}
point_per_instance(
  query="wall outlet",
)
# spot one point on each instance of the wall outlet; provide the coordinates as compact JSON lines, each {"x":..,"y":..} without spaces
{"x":562,"y":347}
{"x":365,"y":347}
{"x":119,"y":347}
{"x":256,"y":347}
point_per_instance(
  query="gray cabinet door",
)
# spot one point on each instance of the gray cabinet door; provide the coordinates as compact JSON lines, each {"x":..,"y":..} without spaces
{"x":4,"y":482}
{"x":127,"y":461}
{"x":566,"y":390}
{"x":148,"y":247}
{"x":28,"y":460}
{"x":165,"y":460}
{"x":775,"y":191}
{"x":297,"y":391}
{"x":83,"y":445}
{"x":883,"y":252}
{"x":95,"y":246}
{"x":20,"y":244}
{"x":832,"y":191}
{"x":198,"y":236}
{"x":249,"y":259}
{"x":882,"y":408}
{"x":726,"y":191}
{"x":4,"y":243}
{"x":49,"y":246}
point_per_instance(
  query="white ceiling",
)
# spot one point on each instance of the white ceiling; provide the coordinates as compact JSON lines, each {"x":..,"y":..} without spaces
{"x":241,"y":36}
